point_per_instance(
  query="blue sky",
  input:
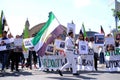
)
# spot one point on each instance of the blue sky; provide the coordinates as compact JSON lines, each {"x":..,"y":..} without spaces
{"x":92,"y":13}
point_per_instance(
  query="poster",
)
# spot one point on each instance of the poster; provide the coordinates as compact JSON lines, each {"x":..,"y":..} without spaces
{"x":59,"y":44}
{"x":109,"y":40}
{"x":99,"y":39}
{"x":50,"y":49}
{"x":83,"y":47}
{"x":112,"y":60}
{"x":18,"y":42}
{"x":117,"y":36}
{"x":71,"y":27}
{"x":27,"y":42}
{"x":2,"y":48}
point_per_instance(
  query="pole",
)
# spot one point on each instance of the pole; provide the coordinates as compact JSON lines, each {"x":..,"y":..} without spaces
{"x":116,"y":17}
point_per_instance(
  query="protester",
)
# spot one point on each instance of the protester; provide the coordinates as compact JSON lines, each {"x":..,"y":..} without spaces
{"x":4,"y":53}
{"x":69,"y":50}
{"x":32,"y":56}
{"x":95,"y":48}
{"x":17,"y":55}
{"x":101,"y":54}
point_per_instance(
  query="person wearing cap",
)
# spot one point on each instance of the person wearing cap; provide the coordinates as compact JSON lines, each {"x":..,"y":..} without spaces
{"x":69,"y":50}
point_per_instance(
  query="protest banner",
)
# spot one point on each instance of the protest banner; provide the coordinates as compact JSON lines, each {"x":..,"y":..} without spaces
{"x":112,"y":60}
{"x":87,"y":61}
{"x":27,"y":42}
{"x":52,"y":62}
{"x":83,"y":47}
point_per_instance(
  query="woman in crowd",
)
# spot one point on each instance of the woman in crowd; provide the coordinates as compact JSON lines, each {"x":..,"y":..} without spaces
{"x":92,"y":45}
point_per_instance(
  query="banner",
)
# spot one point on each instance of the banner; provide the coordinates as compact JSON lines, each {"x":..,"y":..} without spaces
{"x":52,"y":62}
{"x":56,"y":61}
{"x":87,"y":61}
{"x":112,"y":60}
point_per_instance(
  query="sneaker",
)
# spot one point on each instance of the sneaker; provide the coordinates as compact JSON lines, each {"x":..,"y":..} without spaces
{"x":60,"y":73}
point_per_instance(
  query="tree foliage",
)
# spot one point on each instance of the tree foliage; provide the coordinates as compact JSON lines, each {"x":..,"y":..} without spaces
{"x":116,"y":13}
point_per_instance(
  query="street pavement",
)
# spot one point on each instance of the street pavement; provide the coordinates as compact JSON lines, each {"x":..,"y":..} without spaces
{"x":35,"y":74}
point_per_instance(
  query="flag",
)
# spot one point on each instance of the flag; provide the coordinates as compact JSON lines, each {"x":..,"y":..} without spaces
{"x":44,"y":32}
{"x":26,"y":30}
{"x":51,"y":37}
{"x":102,"y":31}
{"x":83,"y":31}
{"x":3,"y":23}
{"x":26,"y":33}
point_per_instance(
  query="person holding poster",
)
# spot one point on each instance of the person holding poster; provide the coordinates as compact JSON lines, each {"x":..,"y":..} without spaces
{"x":17,"y":54}
{"x":4,"y":53}
{"x":69,"y":50}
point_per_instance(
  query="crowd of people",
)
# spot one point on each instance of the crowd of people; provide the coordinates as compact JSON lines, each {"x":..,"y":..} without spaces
{"x":10,"y":59}
{"x":72,"y":44}
{"x":13,"y":58}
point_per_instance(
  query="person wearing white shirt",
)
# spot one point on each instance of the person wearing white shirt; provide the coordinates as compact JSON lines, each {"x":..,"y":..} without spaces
{"x":69,"y":50}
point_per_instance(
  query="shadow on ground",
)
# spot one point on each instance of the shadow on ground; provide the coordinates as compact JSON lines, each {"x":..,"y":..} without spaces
{"x":24,"y":73}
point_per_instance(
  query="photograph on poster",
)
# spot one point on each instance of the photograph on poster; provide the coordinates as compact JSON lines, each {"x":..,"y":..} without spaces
{"x":99,"y":38}
{"x":117,"y":36}
{"x":83,"y":48}
{"x":59,"y":44}
{"x":50,"y":49}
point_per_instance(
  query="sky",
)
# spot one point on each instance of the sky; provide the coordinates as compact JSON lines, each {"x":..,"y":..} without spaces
{"x":92,"y":13}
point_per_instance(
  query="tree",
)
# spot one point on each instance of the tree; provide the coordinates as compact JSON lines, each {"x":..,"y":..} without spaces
{"x":116,"y":13}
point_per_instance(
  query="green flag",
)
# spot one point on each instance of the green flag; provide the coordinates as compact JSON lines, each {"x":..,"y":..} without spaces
{"x":1,"y":24}
{"x":26,"y":33}
{"x":26,"y":30}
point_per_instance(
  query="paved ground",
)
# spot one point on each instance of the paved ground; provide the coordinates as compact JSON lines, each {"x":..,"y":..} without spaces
{"x":27,"y":74}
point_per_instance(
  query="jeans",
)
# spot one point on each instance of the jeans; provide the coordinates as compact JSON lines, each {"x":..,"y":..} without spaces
{"x":4,"y":60}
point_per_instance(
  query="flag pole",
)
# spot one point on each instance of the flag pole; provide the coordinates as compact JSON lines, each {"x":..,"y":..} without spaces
{"x":56,"y":19}
{"x":116,"y":17}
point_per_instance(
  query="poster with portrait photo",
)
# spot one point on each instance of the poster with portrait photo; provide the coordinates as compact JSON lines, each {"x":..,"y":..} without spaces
{"x":117,"y":36}
{"x":109,"y":40}
{"x":59,"y":44}
{"x":99,"y":39}
{"x":27,"y":42}
{"x":71,"y":28}
{"x":83,"y":47}
{"x":50,"y":49}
